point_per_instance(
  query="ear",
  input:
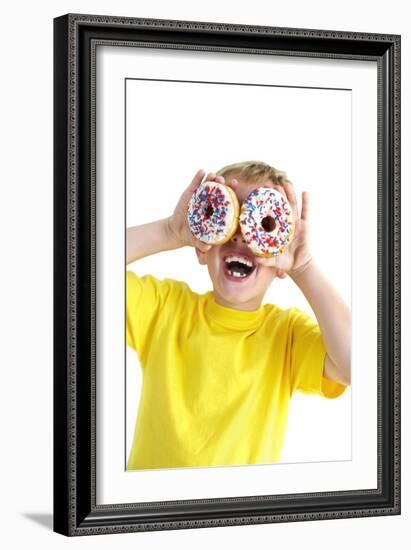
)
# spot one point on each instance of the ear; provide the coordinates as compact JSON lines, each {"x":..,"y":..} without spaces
{"x":201,"y":256}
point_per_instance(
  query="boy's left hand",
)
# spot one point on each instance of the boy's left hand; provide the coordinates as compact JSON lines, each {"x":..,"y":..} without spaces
{"x":297,"y":255}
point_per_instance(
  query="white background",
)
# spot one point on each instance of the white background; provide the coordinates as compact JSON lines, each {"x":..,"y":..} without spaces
{"x":305,"y":131}
{"x":26,"y":300}
{"x":322,"y":438}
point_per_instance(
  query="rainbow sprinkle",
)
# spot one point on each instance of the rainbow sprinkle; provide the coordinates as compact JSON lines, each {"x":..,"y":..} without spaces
{"x":210,"y":213}
{"x":261,"y":203}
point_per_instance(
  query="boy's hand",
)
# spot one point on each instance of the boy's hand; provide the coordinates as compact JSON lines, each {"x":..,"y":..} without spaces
{"x":177,"y":223}
{"x":297,"y":256}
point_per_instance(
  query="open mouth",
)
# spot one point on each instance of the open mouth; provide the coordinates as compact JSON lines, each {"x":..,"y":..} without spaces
{"x":239,"y":267}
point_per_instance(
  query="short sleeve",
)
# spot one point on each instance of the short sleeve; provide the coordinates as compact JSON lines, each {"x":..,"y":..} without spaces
{"x":145,"y":297}
{"x":307,"y":357}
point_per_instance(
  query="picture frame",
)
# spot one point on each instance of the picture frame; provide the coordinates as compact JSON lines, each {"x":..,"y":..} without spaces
{"x":76,"y":40}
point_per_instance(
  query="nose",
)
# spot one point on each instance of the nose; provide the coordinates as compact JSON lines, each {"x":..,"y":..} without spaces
{"x":238,"y":236}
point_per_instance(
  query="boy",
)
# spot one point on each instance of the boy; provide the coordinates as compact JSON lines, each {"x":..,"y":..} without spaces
{"x":219,"y":369}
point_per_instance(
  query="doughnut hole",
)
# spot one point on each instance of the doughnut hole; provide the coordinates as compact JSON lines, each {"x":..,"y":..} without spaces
{"x":208,"y":212}
{"x":268,"y":224}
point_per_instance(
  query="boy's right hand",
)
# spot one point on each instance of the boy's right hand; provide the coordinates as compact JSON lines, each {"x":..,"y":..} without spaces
{"x":178,"y":224}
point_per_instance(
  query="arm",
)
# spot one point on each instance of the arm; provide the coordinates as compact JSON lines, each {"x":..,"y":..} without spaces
{"x":168,"y":233}
{"x":150,"y":238}
{"x":334,"y":319}
{"x":333,"y":315}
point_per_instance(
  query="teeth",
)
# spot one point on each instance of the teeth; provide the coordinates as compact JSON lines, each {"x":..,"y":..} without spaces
{"x":239,"y":259}
{"x":236,"y":274}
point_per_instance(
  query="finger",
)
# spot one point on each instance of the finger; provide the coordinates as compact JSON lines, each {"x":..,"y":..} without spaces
{"x":196,"y":180}
{"x":291,"y":197}
{"x":202,"y":247}
{"x":213,"y":177}
{"x":281,"y":180}
{"x":210,"y":176}
{"x":305,"y":206}
{"x":281,"y":274}
{"x":280,"y":189}
{"x":233,"y":184}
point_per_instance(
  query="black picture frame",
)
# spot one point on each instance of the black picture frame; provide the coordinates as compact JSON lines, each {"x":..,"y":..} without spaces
{"x":75,"y":509}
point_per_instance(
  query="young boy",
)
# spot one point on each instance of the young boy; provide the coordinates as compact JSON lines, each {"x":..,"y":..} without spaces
{"x":219,"y":368}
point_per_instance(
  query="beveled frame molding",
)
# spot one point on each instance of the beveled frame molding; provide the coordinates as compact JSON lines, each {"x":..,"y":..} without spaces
{"x":76,"y":38}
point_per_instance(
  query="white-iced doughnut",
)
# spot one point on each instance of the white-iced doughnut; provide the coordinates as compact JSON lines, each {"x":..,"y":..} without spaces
{"x":213,"y":213}
{"x":266,"y":222}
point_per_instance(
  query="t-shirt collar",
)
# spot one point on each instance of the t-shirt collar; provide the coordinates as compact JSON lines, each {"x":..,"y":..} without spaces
{"x":232,"y":318}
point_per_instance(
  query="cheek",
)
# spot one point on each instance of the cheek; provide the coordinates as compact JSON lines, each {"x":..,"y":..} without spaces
{"x":212,"y":260}
{"x":267,"y":274}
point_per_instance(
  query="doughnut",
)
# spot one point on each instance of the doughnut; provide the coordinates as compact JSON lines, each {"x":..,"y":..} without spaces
{"x":213,"y":213}
{"x":266,"y":222}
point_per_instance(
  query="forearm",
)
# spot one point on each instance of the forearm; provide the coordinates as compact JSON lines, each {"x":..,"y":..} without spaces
{"x":150,"y":238}
{"x":333,"y":316}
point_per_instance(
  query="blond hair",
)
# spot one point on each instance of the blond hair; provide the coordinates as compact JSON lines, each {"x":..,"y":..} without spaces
{"x":253,"y":170}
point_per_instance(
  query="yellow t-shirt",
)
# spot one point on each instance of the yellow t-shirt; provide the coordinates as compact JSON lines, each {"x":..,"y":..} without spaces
{"x":216,"y":381}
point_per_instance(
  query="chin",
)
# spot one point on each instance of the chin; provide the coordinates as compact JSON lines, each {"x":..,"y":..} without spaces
{"x":237,"y":279}
{"x":238,"y":293}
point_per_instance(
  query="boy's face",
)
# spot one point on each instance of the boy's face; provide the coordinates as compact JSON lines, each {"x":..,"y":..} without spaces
{"x":245,"y":293}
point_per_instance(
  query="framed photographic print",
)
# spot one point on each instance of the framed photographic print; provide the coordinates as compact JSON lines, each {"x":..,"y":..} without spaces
{"x":140,"y":105}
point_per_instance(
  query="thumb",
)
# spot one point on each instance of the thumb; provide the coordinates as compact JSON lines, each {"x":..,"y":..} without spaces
{"x":202,"y":247}
{"x":196,"y":181}
{"x":281,"y":274}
